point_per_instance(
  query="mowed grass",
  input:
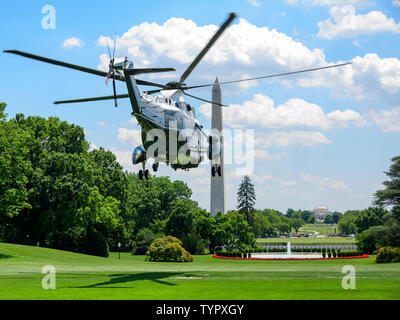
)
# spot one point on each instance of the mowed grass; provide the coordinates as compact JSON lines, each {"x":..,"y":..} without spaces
{"x":320,"y":228}
{"x":87,"y":277}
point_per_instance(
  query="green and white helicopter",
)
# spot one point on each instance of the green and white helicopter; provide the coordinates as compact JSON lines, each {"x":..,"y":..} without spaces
{"x":167,"y":114}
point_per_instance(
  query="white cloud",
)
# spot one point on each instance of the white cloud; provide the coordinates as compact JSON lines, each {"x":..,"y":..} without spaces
{"x":72,"y":42}
{"x":295,"y":112}
{"x":101,"y":123}
{"x":262,"y":178}
{"x":396,"y":3}
{"x":254,"y":3}
{"x":93,"y":147}
{"x":388,"y":120}
{"x":356,"y":3}
{"x":344,"y":22}
{"x":294,"y":138}
{"x":344,"y":117}
{"x":124,"y":158}
{"x":367,"y":77}
{"x":323,"y":183}
{"x":243,"y":49}
{"x":265,"y":155}
{"x":131,"y":137}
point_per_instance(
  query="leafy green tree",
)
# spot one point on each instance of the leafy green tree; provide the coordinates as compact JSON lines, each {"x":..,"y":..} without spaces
{"x":181,"y":220}
{"x":373,"y":216}
{"x":143,"y":240}
{"x":15,"y":169}
{"x":261,"y":225}
{"x":347,"y":224}
{"x":239,"y":231}
{"x":390,"y":196}
{"x":246,"y":197}
{"x":336,"y":217}
{"x":290,"y":212}
{"x":154,"y":199}
{"x":297,"y":223}
{"x":284,"y":227}
{"x":329,"y":219}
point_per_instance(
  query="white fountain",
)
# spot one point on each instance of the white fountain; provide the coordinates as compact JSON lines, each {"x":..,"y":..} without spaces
{"x":288,"y":254}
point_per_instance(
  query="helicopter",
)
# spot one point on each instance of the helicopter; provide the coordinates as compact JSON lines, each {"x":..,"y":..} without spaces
{"x":168,"y":123}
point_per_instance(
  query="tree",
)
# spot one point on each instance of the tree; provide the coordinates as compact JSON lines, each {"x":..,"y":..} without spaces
{"x":336,"y":216}
{"x":347,"y":224}
{"x":180,"y":222}
{"x":231,"y":230}
{"x":390,"y":196}
{"x":297,"y":223}
{"x":373,"y":216}
{"x":329,"y":219}
{"x":261,"y":225}
{"x":15,"y":169}
{"x":143,"y":240}
{"x":246,"y":199}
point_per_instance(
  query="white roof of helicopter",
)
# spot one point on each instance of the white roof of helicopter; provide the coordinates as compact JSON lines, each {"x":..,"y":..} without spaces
{"x":174,"y":94}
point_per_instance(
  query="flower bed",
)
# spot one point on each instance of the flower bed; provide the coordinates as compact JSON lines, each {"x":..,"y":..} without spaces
{"x":331,"y":258}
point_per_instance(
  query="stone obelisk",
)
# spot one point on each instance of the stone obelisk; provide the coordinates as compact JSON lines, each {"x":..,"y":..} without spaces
{"x":217,"y":199}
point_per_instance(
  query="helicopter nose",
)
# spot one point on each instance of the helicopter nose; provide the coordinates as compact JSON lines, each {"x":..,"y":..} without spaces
{"x":138,"y":155}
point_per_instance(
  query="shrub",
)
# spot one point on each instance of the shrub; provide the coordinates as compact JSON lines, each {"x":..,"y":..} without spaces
{"x":387,"y":254}
{"x":168,"y":249}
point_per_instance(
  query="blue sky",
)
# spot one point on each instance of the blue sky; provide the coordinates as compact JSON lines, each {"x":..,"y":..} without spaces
{"x":320,"y":138}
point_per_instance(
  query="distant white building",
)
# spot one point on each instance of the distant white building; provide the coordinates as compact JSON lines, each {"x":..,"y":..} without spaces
{"x":320,"y":213}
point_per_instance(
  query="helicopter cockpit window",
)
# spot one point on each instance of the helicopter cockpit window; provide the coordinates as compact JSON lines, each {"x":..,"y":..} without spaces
{"x":180,"y":105}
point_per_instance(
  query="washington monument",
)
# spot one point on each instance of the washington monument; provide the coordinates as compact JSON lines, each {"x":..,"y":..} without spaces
{"x":217,"y":199}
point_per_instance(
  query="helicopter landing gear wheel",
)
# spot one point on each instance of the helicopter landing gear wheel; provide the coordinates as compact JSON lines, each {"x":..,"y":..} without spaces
{"x":140,"y":174}
{"x":155,"y":166}
{"x":219,"y":171}
{"x":146,"y":174}
{"x":213,"y":170}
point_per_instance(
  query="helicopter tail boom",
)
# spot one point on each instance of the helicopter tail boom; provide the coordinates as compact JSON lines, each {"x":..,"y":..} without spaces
{"x":133,"y":90}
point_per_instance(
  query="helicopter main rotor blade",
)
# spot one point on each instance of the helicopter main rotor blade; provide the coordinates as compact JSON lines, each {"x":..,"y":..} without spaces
{"x":153,"y":91}
{"x":271,"y":76}
{"x":120,"y":96}
{"x":187,"y":72}
{"x":148,"y":83}
{"x":201,"y":99}
{"x":63,"y":64}
{"x":79,"y":68}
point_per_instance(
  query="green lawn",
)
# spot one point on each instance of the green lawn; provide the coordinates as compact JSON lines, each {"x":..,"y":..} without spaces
{"x":86,"y":277}
{"x":318,"y":228}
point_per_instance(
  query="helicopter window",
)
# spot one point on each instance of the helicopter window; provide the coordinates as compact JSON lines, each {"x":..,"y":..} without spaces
{"x":188,"y":107}
{"x":180,"y":105}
